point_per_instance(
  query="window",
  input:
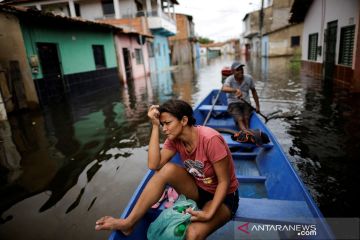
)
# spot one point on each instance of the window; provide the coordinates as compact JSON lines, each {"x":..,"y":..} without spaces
{"x":108,"y":7}
{"x":312,"y":51}
{"x":138,"y":56}
{"x":150,"y":48}
{"x":77,"y":9}
{"x":99,"y":56}
{"x":295,"y":41}
{"x":158,"y":49}
{"x":346,"y":45}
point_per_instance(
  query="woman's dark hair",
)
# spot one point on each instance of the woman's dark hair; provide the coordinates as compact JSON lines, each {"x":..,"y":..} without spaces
{"x":179,"y":109}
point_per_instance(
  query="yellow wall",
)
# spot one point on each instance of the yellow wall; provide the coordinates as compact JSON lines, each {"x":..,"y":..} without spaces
{"x":12,"y":49}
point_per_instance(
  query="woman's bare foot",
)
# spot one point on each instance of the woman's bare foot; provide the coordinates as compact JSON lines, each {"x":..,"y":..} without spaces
{"x":110,"y":223}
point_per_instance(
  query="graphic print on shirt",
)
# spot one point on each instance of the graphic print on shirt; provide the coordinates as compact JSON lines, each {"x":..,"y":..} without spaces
{"x":196,"y":168}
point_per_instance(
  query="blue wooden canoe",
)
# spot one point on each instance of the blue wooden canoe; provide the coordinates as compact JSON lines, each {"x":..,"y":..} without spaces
{"x":271,"y":193}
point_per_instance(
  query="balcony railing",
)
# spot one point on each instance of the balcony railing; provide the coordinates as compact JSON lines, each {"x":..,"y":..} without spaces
{"x":152,"y":13}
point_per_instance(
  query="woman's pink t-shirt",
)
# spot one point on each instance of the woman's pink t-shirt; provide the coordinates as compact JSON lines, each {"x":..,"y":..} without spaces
{"x":211,"y":147}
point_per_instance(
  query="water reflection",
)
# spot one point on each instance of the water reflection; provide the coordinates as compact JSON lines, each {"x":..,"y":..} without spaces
{"x":326,"y":146}
{"x":83,"y":158}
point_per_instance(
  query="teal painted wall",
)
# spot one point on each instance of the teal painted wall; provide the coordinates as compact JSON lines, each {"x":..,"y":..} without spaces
{"x":161,"y":52}
{"x":74,"y":44}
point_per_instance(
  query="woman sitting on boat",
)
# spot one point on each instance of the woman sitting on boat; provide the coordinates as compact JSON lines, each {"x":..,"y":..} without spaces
{"x":208,"y":177}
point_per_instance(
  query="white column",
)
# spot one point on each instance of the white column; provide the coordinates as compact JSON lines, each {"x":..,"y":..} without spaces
{"x":3,"y":115}
{"x":174,"y":14}
{"x":159,"y":10}
{"x":168,"y":8}
{"x":38,"y":7}
{"x":117,"y":9}
{"x":148,"y":7}
{"x":72,"y":8}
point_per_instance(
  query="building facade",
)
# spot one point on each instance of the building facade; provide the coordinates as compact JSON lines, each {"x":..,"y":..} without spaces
{"x":158,"y":18}
{"x":56,"y":56}
{"x":183,"y":45}
{"x":268,"y":32}
{"x":330,"y":46}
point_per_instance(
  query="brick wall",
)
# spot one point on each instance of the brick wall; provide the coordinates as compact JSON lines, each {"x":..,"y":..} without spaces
{"x":312,"y":69}
{"x":182,"y":26}
{"x":138,"y":24}
{"x":356,"y":75}
{"x":343,"y":75}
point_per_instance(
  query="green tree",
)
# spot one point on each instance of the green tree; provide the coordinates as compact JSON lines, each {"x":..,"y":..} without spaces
{"x":205,"y":40}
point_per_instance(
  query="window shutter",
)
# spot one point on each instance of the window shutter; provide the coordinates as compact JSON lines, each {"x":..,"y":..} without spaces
{"x":312,"y":51}
{"x":347,"y":45}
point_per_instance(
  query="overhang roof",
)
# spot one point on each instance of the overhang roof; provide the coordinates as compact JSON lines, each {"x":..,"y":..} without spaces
{"x":29,"y":12}
{"x":299,"y":10}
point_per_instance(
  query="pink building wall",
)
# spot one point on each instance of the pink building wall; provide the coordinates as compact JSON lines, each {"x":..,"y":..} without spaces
{"x":131,"y":42}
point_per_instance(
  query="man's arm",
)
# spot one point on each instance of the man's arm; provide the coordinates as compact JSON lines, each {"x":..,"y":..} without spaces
{"x":235,"y":91}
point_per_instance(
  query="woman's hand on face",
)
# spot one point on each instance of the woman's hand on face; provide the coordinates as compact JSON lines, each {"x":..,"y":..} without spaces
{"x":199,"y":216}
{"x":154,"y":115}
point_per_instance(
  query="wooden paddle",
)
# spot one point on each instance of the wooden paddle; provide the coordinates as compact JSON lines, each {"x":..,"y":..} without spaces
{"x":213,"y":105}
{"x":260,"y":113}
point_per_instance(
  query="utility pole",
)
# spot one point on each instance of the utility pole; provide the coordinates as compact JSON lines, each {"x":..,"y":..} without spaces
{"x":261,"y":23}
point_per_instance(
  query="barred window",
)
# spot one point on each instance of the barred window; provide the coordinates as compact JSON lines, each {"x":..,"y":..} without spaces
{"x":138,"y":56}
{"x":346,"y":45}
{"x":108,"y":7}
{"x":150,"y":48}
{"x":312,"y":51}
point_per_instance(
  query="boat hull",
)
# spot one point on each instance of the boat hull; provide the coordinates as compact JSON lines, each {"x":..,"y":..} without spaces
{"x":271,"y":192}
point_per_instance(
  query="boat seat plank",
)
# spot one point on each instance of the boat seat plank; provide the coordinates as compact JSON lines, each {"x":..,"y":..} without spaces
{"x":251,"y":209}
{"x":238,"y":156}
{"x":217,"y":108}
{"x":250,"y":179}
{"x":246,"y":168}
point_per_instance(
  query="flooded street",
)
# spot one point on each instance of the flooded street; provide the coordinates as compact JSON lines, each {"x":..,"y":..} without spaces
{"x":82,"y":159}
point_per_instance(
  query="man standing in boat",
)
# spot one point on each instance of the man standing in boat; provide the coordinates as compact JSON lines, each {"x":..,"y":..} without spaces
{"x":237,"y":87}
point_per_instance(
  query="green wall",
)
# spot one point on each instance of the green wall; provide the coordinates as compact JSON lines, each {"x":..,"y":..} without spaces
{"x":74,"y":44}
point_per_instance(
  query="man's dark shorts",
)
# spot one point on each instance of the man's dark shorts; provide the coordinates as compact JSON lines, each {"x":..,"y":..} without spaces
{"x":239,"y":110}
{"x":231,"y":200}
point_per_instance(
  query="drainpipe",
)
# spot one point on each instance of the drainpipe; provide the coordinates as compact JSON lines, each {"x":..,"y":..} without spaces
{"x":261,"y":23}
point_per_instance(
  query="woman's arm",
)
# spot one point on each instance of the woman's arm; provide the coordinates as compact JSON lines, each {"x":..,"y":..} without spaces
{"x":221,"y":168}
{"x":156,"y":158}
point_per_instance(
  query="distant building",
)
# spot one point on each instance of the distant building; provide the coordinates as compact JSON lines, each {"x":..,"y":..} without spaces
{"x":331,"y":42}
{"x":184,"y":47}
{"x":132,"y":47}
{"x":272,"y":35}
{"x":212,"y":49}
{"x":232,"y":47}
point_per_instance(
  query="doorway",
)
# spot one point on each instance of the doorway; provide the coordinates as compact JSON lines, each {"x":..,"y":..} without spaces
{"x":330,"y":43}
{"x":127,"y":63}
{"x":50,"y":87}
